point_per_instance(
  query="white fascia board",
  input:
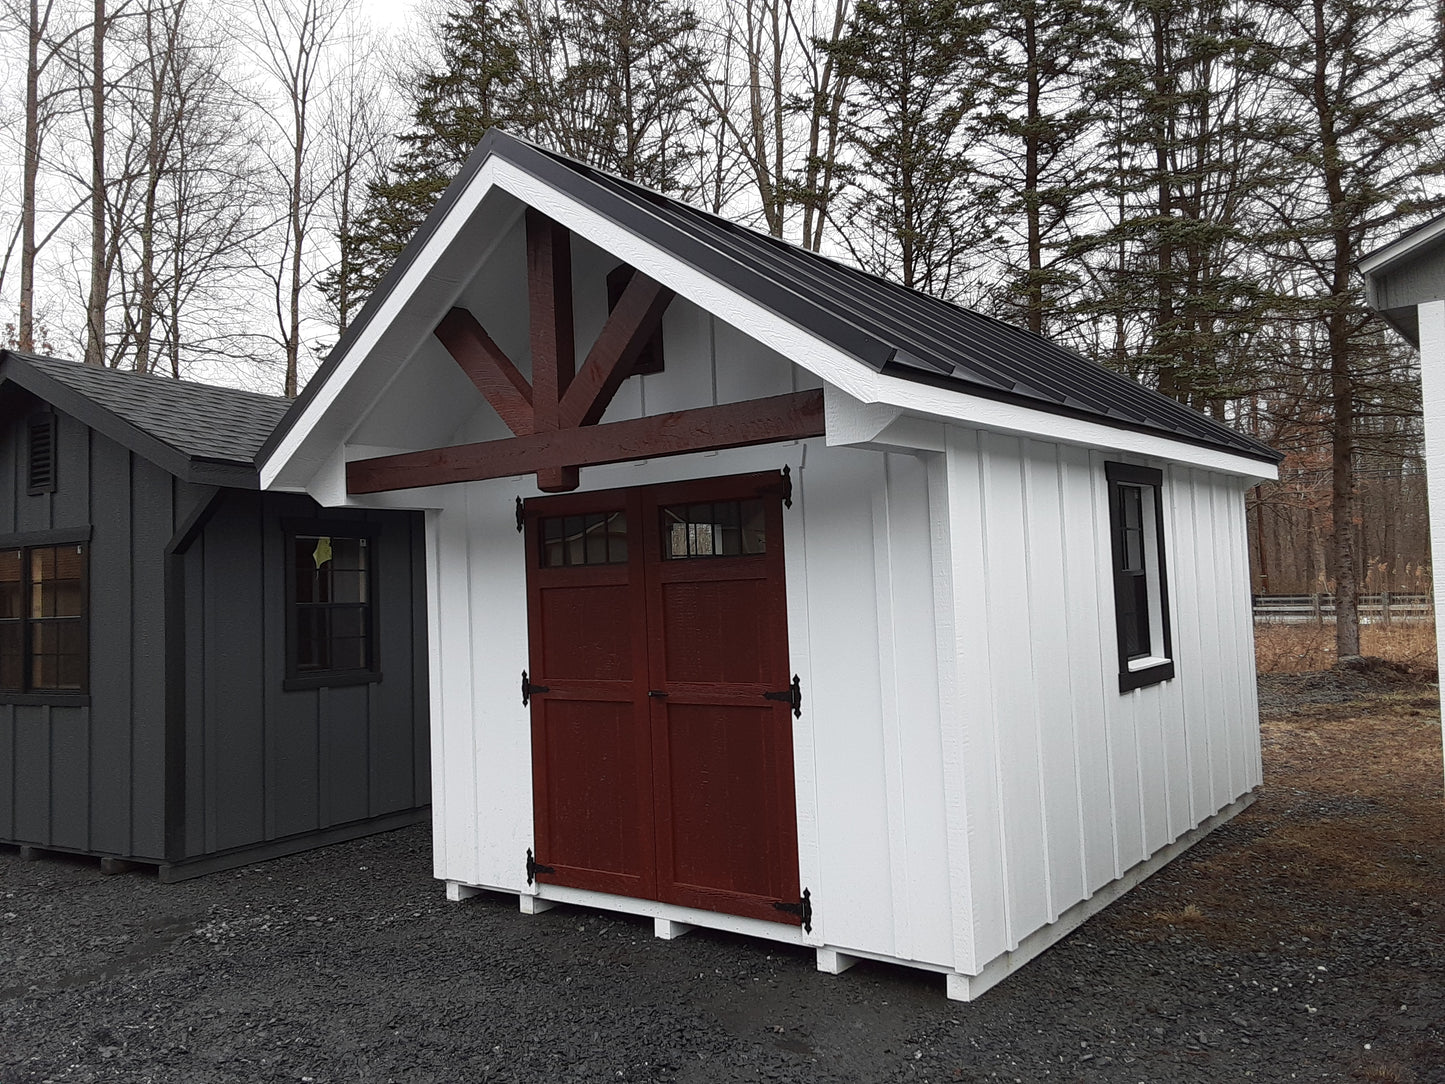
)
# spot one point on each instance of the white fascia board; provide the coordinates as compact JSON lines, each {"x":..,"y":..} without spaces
{"x":319,"y":420}
{"x":1378,"y":260}
{"x":839,"y":370}
{"x":890,"y":413}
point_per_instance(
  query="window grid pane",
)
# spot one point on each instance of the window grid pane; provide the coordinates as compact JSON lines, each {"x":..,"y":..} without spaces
{"x":43,"y":624}
{"x":596,"y":538}
{"x":331,"y":583}
{"x":718,"y":529}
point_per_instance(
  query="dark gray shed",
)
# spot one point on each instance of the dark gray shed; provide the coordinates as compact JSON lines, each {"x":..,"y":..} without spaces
{"x":193,"y":674}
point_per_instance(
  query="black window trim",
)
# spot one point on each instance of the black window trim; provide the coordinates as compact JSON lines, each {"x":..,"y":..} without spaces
{"x":1118,"y":476}
{"x":334,"y":528}
{"x":61,"y":536}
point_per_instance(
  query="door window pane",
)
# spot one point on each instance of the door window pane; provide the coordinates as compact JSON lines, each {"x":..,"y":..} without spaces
{"x":715,"y":529}
{"x":596,"y":538}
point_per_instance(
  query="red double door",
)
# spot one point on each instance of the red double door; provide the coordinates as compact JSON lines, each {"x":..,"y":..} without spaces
{"x":662,"y":752}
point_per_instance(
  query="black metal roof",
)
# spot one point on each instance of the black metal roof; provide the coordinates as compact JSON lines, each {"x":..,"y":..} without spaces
{"x":195,"y":431}
{"x":890,"y":328}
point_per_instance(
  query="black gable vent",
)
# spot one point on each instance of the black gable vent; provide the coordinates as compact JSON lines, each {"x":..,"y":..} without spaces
{"x":42,"y":454}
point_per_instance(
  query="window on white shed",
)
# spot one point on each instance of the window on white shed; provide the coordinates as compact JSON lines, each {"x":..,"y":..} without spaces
{"x":1141,"y":586}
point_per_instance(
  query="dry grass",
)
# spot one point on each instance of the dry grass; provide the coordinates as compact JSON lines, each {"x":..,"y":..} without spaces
{"x":1299,"y":648}
{"x":1349,"y":821}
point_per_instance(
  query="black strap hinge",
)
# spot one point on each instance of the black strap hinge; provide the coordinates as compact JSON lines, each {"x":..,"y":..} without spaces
{"x":793,"y":697}
{"x":803,"y":909}
{"x":529,"y":690}
{"x":534,"y":867}
{"x":521,"y":518}
{"x":783,"y":487}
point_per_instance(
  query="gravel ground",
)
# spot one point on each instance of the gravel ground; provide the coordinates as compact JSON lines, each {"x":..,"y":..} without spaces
{"x":348,"y":964}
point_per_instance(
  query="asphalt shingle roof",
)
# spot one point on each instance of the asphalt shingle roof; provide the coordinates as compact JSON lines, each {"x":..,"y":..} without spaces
{"x":198,"y":420}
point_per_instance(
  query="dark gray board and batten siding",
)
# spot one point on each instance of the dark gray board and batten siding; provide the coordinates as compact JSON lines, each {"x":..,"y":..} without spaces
{"x":261,"y":768}
{"x":285,"y":763}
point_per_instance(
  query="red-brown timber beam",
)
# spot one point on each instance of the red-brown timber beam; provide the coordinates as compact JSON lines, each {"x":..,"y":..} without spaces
{"x":627,"y":332}
{"x":704,"y":429}
{"x":489,"y":368}
{"x":549,"y":298}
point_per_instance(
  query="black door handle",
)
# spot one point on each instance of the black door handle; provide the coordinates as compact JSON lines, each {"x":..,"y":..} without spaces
{"x":658,"y":693}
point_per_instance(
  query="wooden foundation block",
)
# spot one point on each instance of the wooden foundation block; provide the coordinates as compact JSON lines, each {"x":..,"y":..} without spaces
{"x":669,"y":930}
{"x":833,"y":962}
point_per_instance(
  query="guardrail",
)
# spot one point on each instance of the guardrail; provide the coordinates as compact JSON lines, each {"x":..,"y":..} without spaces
{"x":1385,"y":606}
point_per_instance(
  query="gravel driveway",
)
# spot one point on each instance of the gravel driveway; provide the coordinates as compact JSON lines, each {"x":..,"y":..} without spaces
{"x":348,"y":964}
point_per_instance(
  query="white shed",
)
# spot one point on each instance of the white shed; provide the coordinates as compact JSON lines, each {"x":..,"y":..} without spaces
{"x":769,"y":596}
{"x":1405,"y":283}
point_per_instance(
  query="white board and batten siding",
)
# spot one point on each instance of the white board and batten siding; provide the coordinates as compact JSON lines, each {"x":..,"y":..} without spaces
{"x":1068,"y":783}
{"x":967,"y":772}
{"x":966,"y":769}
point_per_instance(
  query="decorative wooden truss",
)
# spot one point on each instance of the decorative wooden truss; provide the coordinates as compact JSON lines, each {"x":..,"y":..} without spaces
{"x":554,"y":419}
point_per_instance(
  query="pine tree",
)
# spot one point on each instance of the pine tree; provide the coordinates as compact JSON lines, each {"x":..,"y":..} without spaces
{"x":619,"y":85}
{"x":1352,"y":82}
{"x":916,"y":76}
{"x":1046,"y":66}
{"x":478,"y":84}
{"x":1176,"y":280}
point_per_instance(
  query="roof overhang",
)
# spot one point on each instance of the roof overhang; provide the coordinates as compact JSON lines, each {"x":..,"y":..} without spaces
{"x":217,"y":472}
{"x":1404,"y":274}
{"x":425,"y":284}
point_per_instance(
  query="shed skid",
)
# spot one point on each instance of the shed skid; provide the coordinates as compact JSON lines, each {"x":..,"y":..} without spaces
{"x":671,"y":922}
{"x":968,"y":987}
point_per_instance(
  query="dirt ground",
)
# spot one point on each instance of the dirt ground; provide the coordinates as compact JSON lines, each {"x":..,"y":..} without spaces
{"x":1303,"y":941}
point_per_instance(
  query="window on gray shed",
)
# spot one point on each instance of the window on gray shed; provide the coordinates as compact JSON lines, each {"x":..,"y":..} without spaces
{"x":44,"y":622}
{"x":331,"y":629}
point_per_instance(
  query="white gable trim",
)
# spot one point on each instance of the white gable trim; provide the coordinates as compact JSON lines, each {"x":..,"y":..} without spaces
{"x":839,"y":370}
{"x":1378,"y":260}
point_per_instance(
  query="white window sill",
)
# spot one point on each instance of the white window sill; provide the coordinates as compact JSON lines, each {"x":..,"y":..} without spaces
{"x":1146,"y":662}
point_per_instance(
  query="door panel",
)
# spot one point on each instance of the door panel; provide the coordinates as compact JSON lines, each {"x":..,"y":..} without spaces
{"x":579,"y":632}
{"x":716,"y":630}
{"x":591,"y":750}
{"x":720,"y":834}
{"x":723,"y":753}
{"x":591,"y":766}
{"x":657,"y":622}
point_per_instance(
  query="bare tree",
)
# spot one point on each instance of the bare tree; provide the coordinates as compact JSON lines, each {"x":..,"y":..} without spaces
{"x":45,"y":44}
{"x":182,"y":205}
{"x":295,"y":42}
{"x":99,"y":265}
{"x":358,"y":145}
{"x":825,"y":90}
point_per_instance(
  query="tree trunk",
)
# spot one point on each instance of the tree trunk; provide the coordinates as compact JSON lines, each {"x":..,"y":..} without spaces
{"x":95,"y":305}
{"x":26,"y":330}
{"x":1035,"y":290}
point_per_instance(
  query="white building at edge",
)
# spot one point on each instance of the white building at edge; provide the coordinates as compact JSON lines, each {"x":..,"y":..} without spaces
{"x":844,"y":617}
{"x":1405,"y":283}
